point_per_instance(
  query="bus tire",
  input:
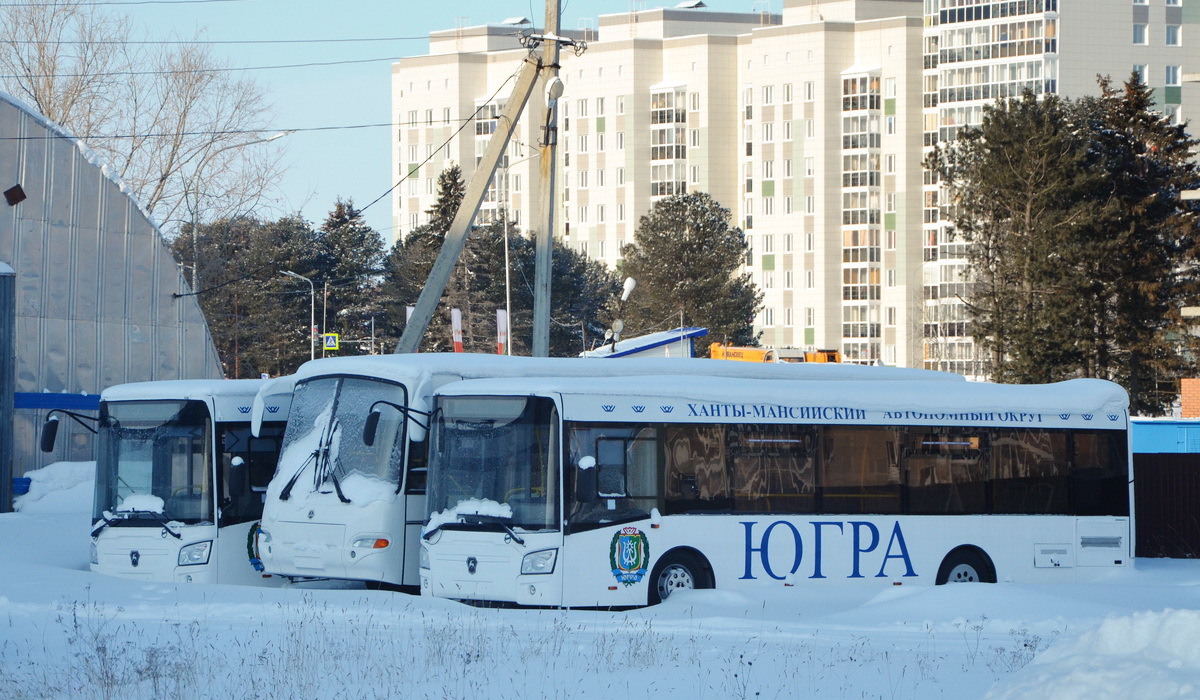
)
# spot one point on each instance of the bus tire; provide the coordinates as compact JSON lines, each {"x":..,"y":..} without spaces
{"x":966,"y":565}
{"x":678,"y":570}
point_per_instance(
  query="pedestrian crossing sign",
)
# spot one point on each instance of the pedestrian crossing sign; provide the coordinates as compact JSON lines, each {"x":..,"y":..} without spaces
{"x":331,"y":341}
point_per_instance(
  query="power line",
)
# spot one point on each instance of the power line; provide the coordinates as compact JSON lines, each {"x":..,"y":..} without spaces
{"x":100,"y":3}
{"x":444,"y":143}
{"x":170,"y":134}
{"x":118,"y":74}
{"x":165,"y":42}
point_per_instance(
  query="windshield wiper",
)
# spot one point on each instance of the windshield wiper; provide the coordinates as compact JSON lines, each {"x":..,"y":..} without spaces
{"x":287,"y":490}
{"x":96,"y":530}
{"x":158,"y":517}
{"x":498,"y":520}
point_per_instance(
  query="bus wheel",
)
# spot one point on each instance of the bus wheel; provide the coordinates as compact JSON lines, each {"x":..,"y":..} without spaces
{"x":678,"y":571}
{"x":966,"y":565}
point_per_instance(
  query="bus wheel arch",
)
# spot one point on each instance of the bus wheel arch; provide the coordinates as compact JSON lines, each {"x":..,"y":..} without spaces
{"x":679,"y":568}
{"x":966,"y":564}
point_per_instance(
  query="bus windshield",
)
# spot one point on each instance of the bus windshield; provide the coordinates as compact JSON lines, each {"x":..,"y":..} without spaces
{"x":325,"y":432}
{"x":155,"y":463}
{"x":495,"y":459}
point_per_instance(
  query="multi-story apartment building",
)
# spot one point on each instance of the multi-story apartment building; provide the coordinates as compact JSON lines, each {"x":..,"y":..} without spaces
{"x":810,"y":126}
{"x":979,"y":50}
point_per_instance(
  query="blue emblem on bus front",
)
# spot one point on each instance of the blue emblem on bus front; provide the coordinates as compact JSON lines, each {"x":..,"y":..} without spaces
{"x":628,"y":555}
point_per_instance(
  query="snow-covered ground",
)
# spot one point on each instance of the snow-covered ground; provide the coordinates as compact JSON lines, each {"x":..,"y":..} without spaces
{"x":65,"y":632}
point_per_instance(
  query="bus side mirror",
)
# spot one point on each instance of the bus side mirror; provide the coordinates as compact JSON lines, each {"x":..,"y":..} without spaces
{"x":586,"y":484}
{"x":370,"y":427}
{"x":237,"y":477}
{"x":49,"y":433}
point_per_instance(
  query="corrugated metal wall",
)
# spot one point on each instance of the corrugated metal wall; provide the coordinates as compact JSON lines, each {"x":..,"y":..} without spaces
{"x":1166,"y":490}
{"x":94,"y":285}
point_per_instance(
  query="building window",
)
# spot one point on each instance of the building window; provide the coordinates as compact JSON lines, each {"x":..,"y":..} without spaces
{"x":787,"y":167}
{"x":620,"y":104}
{"x":1171,"y":76}
{"x":889,"y":238}
{"x":694,"y":102}
{"x":599,"y":213}
{"x":810,"y":204}
{"x":810,"y":279}
{"x":787,"y":92}
{"x":768,"y":131}
{"x":787,"y":279}
{"x":583,"y":179}
{"x":787,"y":209}
{"x":583,"y":215}
{"x":889,"y":202}
{"x":890,"y":278}
{"x":810,"y":128}
{"x":620,"y":140}
{"x":787,"y":316}
{"x":695,"y":174}
{"x":600,"y":178}
{"x":889,"y":163}
{"x":600,"y":141}
{"x":581,"y":108}
{"x":1173,"y":34}
{"x":787,"y":131}
{"x":1174,"y":3}
{"x":810,"y":168}
{"x":889,"y":123}
{"x":768,"y":316}
{"x":810,"y":317}
{"x":694,"y":138}
{"x":810,"y":242}
{"x":768,"y":169}
{"x":1139,"y":34}
{"x":1140,"y":69}
{"x":768,"y":206}
{"x":889,"y":87}
{"x":599,"y":106}
{"x":600,"y":246}
{"x":768,"y":280}
{"x":768,"y":94}
{"x":583,"y":143}
{"x":810,"y":91}
{"x":620,"y":176}
{"x":620,"y":212}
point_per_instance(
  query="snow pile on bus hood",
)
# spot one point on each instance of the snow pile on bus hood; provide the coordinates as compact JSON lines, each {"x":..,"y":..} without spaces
{"x":61,"y":487}
{"x":1145,"y":655}
{"x":471,"y":506}
{"x":140,"y":502}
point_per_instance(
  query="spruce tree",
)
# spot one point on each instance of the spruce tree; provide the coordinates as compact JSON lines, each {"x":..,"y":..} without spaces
{"x":349,"y":257}
{"x":685,"y":258}
{"x":1082,"y":251}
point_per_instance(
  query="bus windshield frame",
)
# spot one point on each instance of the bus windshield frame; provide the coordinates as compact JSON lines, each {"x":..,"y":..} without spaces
{"x":494,"y":462}
{"x":328,"y":414}
{"x":155,"y":449}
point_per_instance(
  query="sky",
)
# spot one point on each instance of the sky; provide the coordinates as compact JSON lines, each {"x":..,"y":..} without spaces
{"x":66,"y":632}
{"x":348,"y":163}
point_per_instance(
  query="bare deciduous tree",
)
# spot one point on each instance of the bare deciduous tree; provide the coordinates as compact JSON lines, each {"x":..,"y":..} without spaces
{"x":181,"y":130}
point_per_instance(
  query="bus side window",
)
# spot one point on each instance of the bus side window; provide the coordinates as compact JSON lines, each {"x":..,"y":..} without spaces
{"x":1029,"y":471}
{"x":1099,"y":473}
{"x":859,"y":472}
{"x":414,"y":482}
{"x":697,"y":479}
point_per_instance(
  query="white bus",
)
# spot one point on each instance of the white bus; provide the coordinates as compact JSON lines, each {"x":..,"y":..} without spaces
{"x":578,"y":492}
{"x":180,"y":480}
{"x":341,"y":507}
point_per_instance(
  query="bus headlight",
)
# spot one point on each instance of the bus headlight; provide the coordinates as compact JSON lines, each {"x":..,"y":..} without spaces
{"x":424,"y":558}
{"x":370,"y":543}
{"x":196,"y":553}
{"x":95,"y":553}
{"x":540,"y":562}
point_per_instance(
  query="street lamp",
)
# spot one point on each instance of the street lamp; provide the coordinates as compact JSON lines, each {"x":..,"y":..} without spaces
{"x":312,"y":312}
{"x":196,"y":204}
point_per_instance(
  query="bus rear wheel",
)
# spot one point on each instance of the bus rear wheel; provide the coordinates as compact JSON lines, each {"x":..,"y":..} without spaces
{"x":966,"y":565}
{"x":677,"y":571}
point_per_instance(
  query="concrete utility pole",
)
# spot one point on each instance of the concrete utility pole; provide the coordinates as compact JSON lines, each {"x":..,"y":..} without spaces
{"x":544,"y":249}
{"x":535,"y":67}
